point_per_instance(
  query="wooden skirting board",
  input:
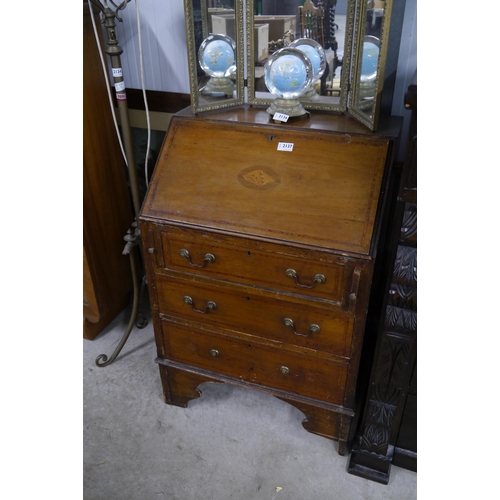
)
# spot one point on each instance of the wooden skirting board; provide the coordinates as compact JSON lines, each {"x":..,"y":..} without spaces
{"x":158,"y":101}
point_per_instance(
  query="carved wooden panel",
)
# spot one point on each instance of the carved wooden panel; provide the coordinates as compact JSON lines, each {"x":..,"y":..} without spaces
{"x":394,"y":360}
{"x":393,"y":374}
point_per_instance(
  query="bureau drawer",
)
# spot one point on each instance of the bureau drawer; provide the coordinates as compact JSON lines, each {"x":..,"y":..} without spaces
{"x":306,"y":272}
{"x":316,"y":377}
{"x":282,"y":318}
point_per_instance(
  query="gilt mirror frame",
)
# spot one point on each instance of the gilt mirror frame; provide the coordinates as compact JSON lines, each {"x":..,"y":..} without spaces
{"x":350,"y":99}
{"x":337,"y":104}
{"x":368,"y":113}
{"x":198,"y":102}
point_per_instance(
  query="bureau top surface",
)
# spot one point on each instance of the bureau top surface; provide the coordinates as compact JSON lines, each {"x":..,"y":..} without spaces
{"x":288,"y":184}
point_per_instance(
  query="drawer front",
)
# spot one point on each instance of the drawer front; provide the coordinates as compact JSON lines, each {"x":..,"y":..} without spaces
{"x":256,"y":312}
{"x":311,"y":376}
{"x":314,"y":274}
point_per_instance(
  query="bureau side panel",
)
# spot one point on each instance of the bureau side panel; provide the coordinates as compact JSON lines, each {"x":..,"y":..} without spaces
{"x":149,"y":244}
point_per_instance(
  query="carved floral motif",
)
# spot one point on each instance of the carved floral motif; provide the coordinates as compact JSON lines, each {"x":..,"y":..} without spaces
{"x":381,"y":413}
{"x":374,"y":439}
{"x":385,"y":392}
{"x":405,"y":266}
{"x":409,"y":224}
{"x":403,"y":296}
{"x":400,"y":319}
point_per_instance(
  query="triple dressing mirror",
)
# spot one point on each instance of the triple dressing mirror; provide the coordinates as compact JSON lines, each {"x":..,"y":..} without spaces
{"x":229,"y":42}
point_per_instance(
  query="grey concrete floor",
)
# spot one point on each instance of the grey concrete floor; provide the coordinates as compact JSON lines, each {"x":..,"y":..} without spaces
{"x":232,"y":443}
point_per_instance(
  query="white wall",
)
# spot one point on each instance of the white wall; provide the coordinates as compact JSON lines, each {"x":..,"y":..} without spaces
{"x":164,"y":47}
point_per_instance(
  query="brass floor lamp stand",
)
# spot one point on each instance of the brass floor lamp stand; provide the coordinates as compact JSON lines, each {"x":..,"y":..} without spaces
{"x":136,"y":317}
{"x":133,"y":235}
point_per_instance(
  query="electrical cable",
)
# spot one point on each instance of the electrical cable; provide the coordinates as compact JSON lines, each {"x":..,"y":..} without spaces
{"x":143,"y":84}
{"x":105,"y":71}
{"x":143,"y":90}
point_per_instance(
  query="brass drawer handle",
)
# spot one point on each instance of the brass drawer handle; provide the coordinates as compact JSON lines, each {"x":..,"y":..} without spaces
{"x":285,"y":370}
{"x":318,"y":279}
{"x":208,"y":259}
{"x":312,"y":329}
{"x":211,"y":305}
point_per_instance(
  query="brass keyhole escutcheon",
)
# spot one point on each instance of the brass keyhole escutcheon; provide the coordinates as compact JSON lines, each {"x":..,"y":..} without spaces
{"x":285,"y":370}
{"x":214,"y":353}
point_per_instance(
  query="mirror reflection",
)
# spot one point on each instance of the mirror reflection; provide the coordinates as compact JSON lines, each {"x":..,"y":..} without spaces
{"x":316,"y":54}
{"x":214,"y":36}
{"x":368,"y":74}
{"x":370,"y":61}
{"x":370,"y":53}
{"x":275,"y":24}
{"x":217,"y":59}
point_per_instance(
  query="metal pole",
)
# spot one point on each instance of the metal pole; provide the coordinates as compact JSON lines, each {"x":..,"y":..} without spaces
{"x":114,"y":51}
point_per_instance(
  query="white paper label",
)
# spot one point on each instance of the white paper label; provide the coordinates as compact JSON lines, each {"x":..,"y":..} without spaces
{"x":285,"y":146}
{"x":119,"y":86}
{"x":117,"y":72}
{"x":280,"y":117}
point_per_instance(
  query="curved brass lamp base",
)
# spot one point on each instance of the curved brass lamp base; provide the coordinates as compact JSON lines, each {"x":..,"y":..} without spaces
{"x":136,"y":318}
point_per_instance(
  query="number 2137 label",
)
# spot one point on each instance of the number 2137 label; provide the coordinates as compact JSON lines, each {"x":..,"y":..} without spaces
{"x":285,"y":146}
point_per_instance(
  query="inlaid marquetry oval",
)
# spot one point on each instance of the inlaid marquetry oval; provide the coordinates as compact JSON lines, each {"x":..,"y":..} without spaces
{"x":261,"y":178}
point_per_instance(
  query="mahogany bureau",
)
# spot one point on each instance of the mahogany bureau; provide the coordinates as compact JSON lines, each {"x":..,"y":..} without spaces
{"x":260,"y":241}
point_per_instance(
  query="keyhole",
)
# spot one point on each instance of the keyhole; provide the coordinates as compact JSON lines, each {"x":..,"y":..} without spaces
{"x":249,"y":254}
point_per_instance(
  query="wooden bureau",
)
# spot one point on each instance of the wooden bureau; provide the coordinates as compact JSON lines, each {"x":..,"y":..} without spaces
{"x":260,"y":243}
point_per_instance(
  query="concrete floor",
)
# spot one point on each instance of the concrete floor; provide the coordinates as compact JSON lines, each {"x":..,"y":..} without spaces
{"x":231,"y":443}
